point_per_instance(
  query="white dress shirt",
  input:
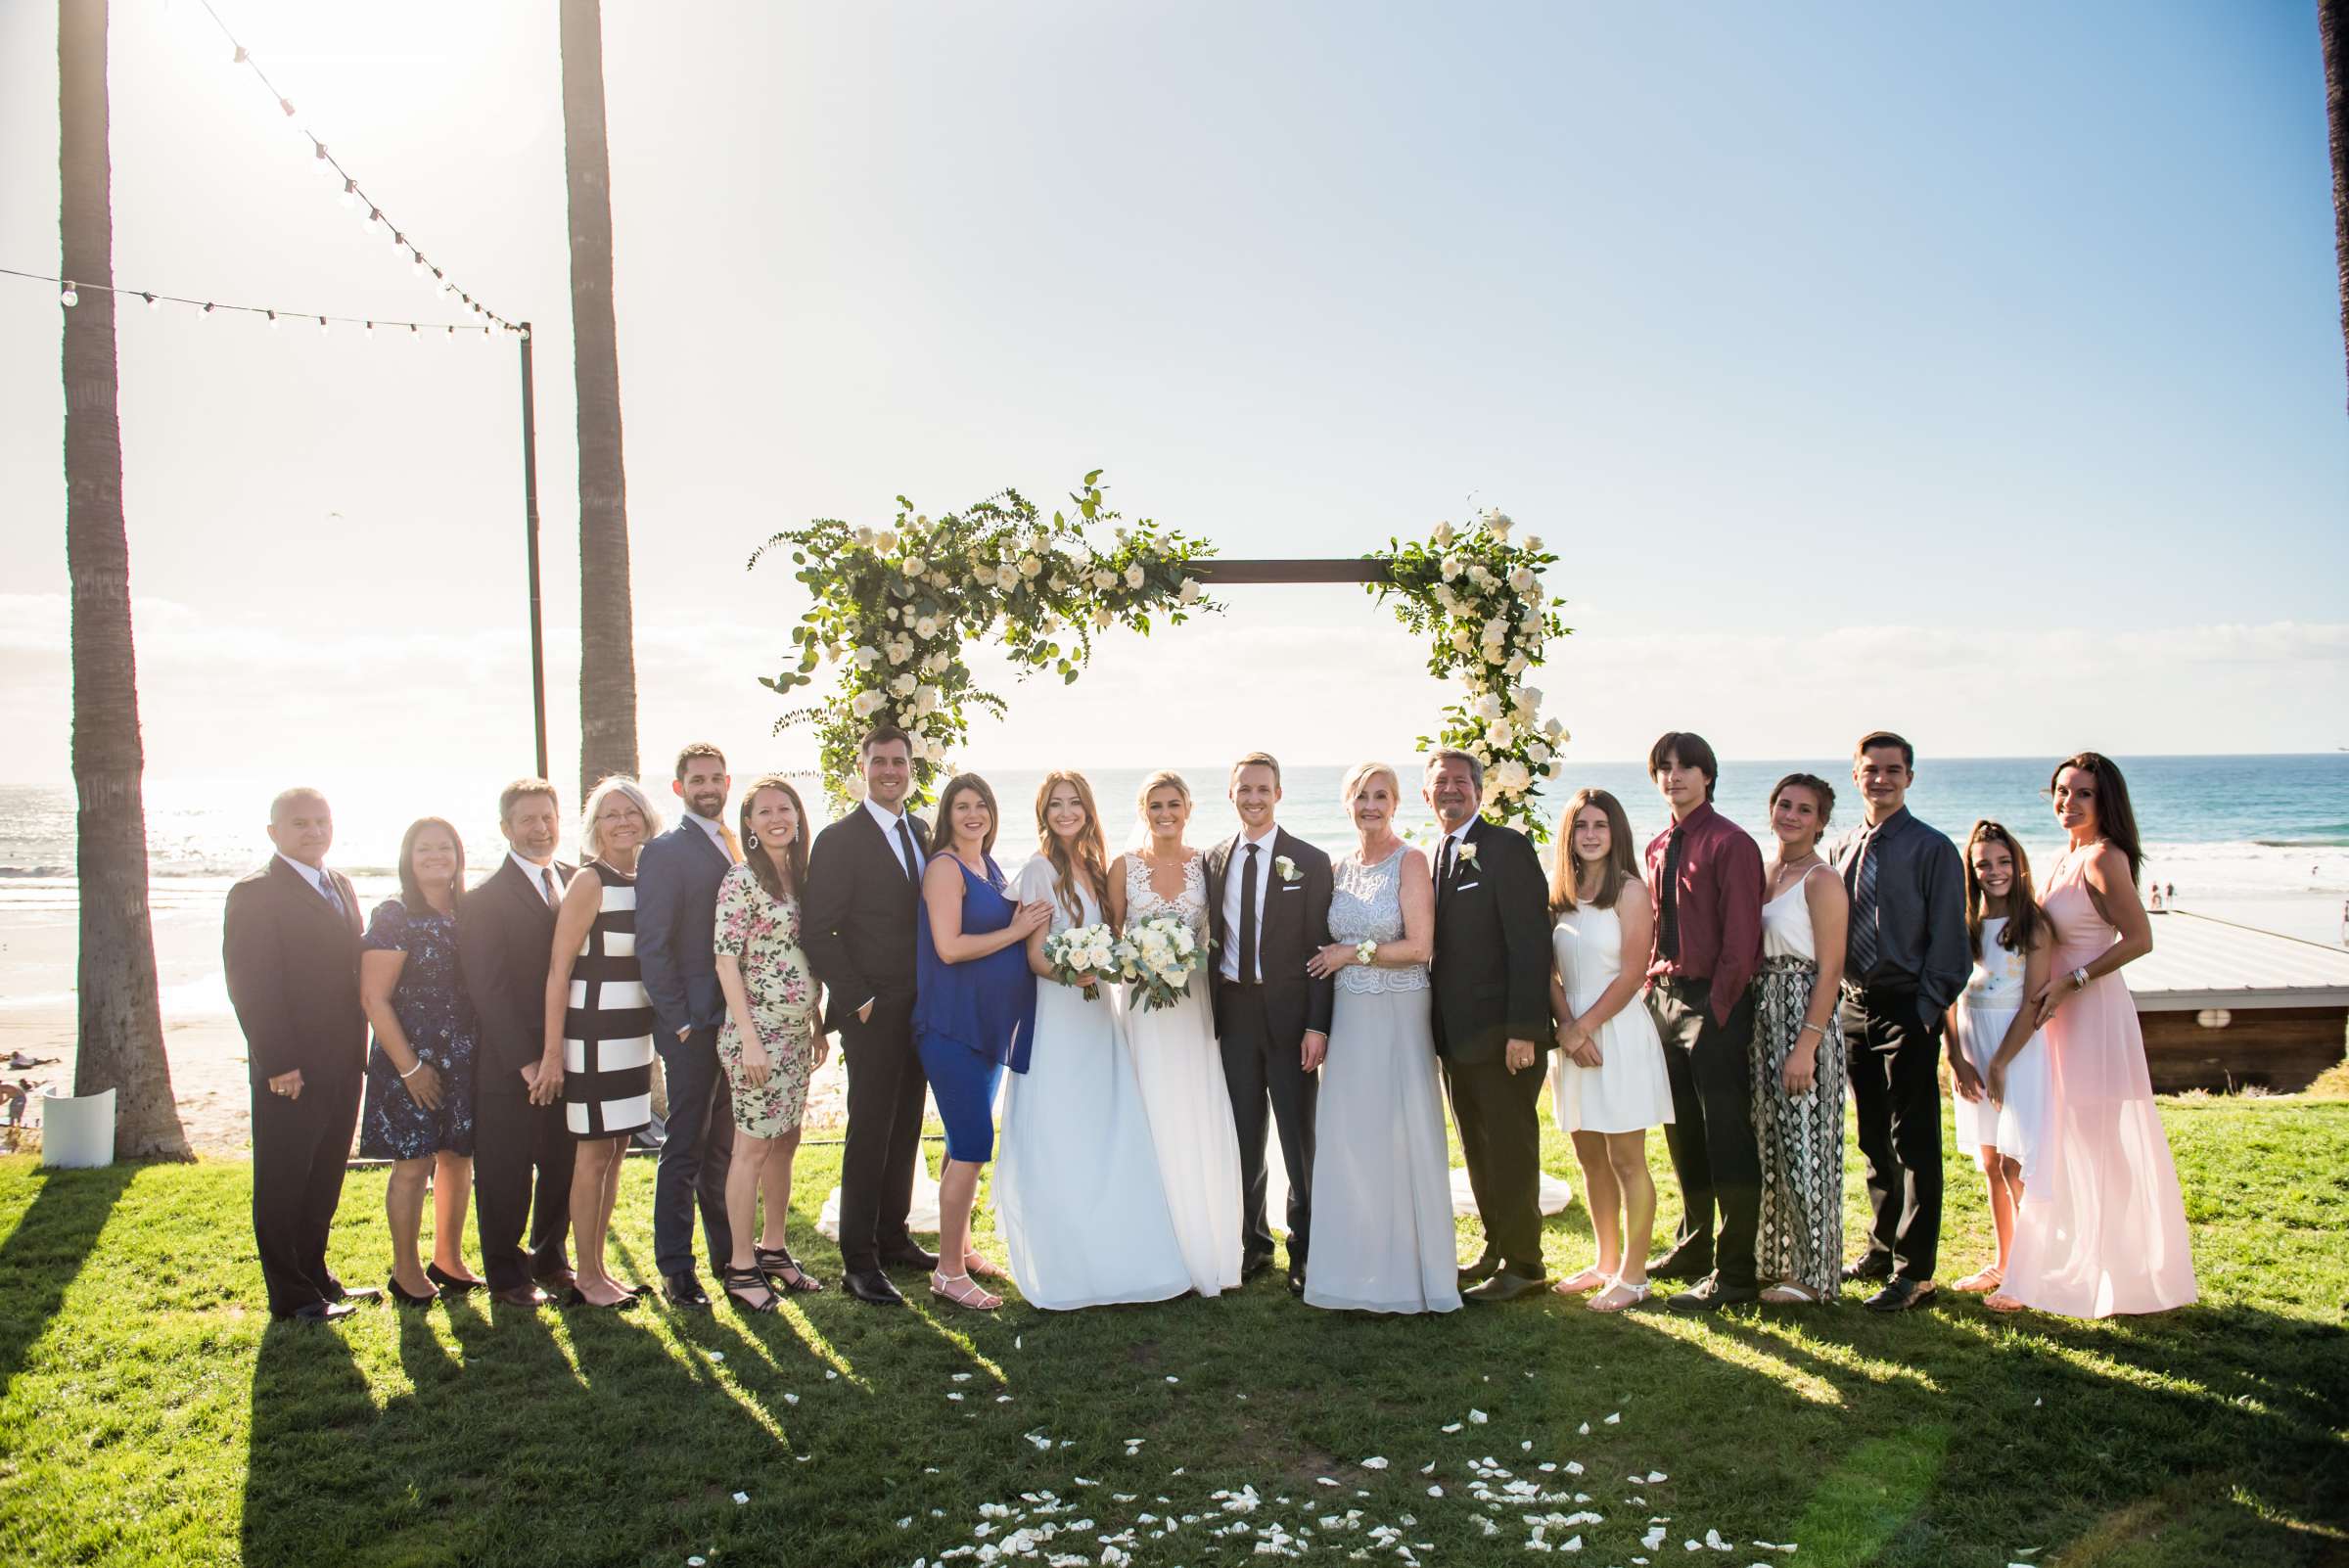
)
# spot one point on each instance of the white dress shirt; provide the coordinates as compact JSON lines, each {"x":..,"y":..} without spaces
{"x":316,"y":878}
{"x":889,"y":821}
{"x":1234,"y":879}
{"x":712,"y":826}
{"x":540,"y":875}
{"x":1451,"y":846}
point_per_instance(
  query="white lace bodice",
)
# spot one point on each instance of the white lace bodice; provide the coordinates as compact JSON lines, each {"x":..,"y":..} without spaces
{"x":1143,"y":900}
{"x":1366,"y":905}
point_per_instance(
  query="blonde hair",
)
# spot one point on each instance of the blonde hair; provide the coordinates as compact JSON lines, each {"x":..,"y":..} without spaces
{"x":1157,"y":781}
{"x":591,"y":839}
{"x":1360,"y":775}
{"x":1091,"y":862}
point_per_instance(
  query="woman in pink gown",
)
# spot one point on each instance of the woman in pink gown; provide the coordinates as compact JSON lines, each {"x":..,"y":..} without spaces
{"x":2104,"y":1229}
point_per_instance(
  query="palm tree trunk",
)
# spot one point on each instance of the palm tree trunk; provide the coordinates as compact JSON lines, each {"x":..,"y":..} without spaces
{"x":122,"y":1025}
{"x":607,"y":632}
{"x":2332,"y":32}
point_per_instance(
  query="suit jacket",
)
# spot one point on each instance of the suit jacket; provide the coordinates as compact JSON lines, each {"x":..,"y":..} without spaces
{"x":677,"y":917}
{"x":294,"y":974}
{"x":858,"y":921}
{"x":1292,"y":926}
{"x":1492,"y":949}
{"x":506,"y":945}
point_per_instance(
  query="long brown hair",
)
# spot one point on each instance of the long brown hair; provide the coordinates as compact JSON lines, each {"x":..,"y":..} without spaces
{"x":759,"y":856}
{"x":1621,"y":867}
{"x":411,"y":892}
{"x":942,"y":832}
{"x":1091,"y":862}
{"x":2116,"y":822}
{"x":2022,"y":901}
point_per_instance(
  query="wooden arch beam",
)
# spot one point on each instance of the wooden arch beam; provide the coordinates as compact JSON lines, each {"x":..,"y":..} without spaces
{"x":1339,"y":568}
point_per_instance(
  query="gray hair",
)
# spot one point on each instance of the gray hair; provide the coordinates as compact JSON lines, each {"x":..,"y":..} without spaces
{"x":1449,"y":753}
{"x":591,"y":839}
{"x":1360,"y":775}
{"x":287,"y":797}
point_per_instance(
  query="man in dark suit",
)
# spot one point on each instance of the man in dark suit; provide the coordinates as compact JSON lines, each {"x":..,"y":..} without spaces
{"x":1491,"y":977}
{"x":1267,"y":900}
{"x":290,"y":946}
{"x":676,"y":914}
{"x":506,"y":943}
{"x":865,"y":880}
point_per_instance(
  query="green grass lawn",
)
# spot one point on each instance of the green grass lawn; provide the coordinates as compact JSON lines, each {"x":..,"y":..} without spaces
{"x":150,"y":1413}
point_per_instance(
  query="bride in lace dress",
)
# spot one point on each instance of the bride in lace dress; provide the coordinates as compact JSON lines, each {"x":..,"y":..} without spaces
{"x":1174,"y":1053}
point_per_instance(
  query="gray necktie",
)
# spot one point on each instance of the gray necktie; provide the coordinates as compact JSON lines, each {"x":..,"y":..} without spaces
{"x":554,"y":891}
{"x":1863,"y":910}
{"x":326,"y":885}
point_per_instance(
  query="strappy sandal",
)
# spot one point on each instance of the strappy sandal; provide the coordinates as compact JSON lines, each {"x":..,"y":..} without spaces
{"x":1982,"y":1281}
{"x":1789,"y":1293}
{"x":783,"y":1269}
{"x":971,"y":1295}
{"x":2000,"y":1301}
{"x":981,"y":1266}
{"x":1633,"y":1296}
{"x":740,"y":1281}
{"x":1588,"y":1279}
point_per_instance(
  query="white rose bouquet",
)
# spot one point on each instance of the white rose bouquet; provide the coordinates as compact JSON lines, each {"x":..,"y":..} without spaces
{"x":1158,"y":957}
{"x":1087,"y":950}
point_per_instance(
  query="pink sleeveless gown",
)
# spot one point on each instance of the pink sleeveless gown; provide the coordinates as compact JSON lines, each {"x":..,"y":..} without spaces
{"x":2102,"y":1227}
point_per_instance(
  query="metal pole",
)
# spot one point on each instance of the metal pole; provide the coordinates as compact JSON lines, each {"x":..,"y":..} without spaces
{"x":530,"y":506}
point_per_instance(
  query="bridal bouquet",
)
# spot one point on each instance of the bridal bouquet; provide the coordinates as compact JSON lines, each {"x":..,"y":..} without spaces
{"x":1081,"y":951}
{"x":1158,"y":957}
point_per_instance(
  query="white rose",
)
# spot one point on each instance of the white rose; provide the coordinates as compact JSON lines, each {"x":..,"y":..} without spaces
{"x":853,"y":787}
{"x":867,"y":657}
{"x":926,"y":627}
{"x":915,"y":566}
{"x":1031,"y":566}
{"x":938,"y":579}
{"x":1190,"y":590}
{"x":1479,"y":575}
{"x":1556,"y":769}
{"x":925,"y":699}
{"x":1533,"y":542}
{"x":1136,"y":576}
{"x":864,"y":703}
{"x":900,"y":650}
{"x":864,"y":538}
{"x":1536,"y":751}
{"x":1493,"y":653}
{"x":1444,"y":535}
{"x":1102,"y":618}
{"x":1498,"y":523}
{"x":1008,"y":575}
{"x":1502,"y":734}
{"x":1486,"y":708}
{"x":1522,"y":579}
{"x":903,"y":686}
{"x":1529,"y":700}
{"x":886,"y":541}
{"x":1555,"y":730}
{"x":1461,"y":640}
{"x":1105,"y":579}
{"x":1081,"y":554}
{"x":1515,"y":666}
{"x":1481,"y":751}
{"x":916,"y":747}
{"x":1451,"y":566}
{"x":1496,"y":629}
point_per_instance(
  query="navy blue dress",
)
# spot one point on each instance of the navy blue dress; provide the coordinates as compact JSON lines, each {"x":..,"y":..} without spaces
{"x":436,"y":1013}
{"x":972,"y":1019}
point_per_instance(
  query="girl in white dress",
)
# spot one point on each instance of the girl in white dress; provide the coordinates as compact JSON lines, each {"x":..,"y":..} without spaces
{"x":1176,"y":1060}
{"x":1383,"y":1239}
{"x":1998,"y":1062}
{"x":1078,"y":1195}
{"x":1607,"y":1083}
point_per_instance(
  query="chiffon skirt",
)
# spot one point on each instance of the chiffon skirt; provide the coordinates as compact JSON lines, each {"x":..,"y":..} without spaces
{"x":1180,"y":1075}
{"x":2012,"y":1128}
{"x":2102,"y":1227}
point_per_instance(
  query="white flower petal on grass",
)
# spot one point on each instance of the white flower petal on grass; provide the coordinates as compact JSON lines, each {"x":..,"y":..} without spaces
{"x":1713,"y":1540}
{"x":1323,"y":1479}
{"x":1616,"y":1419}
{"x":1374,"y":1462}
{"x":1654,"y":1476}
{"x":1453,"y":1427}
{"x":1583,"y":1430}
{"x":791,"y":1399}
{"x":1574,"y":1467}
{"x":741,"y":1497}
{"x":717,"y":1356}
{"x":962,"y":1377}
{"x":1479,"y":1417}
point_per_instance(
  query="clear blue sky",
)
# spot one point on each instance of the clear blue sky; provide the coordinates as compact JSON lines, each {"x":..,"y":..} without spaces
{"x":1976,"y":371}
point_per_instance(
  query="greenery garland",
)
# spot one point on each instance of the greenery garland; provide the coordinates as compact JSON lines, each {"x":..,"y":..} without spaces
{"x":1479,"y":600}
{"x":893,"y":606}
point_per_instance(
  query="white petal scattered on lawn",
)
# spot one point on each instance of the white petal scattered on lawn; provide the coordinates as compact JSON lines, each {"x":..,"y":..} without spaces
{"x":1172,"y":1378}
{"x":1479,"y":1417}
{"x":831,"y":1376}
{"x":1374,"y":1462}
{"x":1323,"y":1479}
{"x":1435,"y":1491}
{"x":1584,"y":1430}
{"x":1454,"y":1427}
{"x":1548,"y":1466}
{"x":1713,"y":1540}
{"x":1527,"y":1446}
{"x":1573,"y":1543}
{"x":742,"y":1498}
{"x":1017,"y":1341}
{"x":905,"y":1523}
{"x":791,"y":1399}
{"x":955,"y":1396}
{"x":1003,"y":1399}
{"x":1616,"y":1419}
{"x":1574,"y":1467}
{"x":1653,"y":1539}
{"x":695,"y":1562}
{"x":1654,"y":1476}
{"x":962,"y":1377}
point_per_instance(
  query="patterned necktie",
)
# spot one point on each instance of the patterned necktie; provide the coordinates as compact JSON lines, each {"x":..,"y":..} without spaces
{"x":913,"y":856}
{"x":1248,"y":919}
{"x":326,"y":885}
{"x":554,"y":892}
{"x":1668,"y":902}
{"x":1863,"y":910}
{"x":733,"y":844}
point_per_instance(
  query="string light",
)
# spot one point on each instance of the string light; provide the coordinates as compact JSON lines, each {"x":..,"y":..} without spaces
{"x":69,"y":297}
{"x":70,"y":293}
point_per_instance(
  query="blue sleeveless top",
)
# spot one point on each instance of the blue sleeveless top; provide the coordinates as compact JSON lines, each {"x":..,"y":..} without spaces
{"x":985,"y":1005}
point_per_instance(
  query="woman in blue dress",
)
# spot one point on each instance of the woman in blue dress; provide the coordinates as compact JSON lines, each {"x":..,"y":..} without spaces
{"x":974,"y":1009}
{"x":419,"y":1105}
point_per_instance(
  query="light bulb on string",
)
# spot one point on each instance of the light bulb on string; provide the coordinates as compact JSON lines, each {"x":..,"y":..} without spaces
{"x":413,"y":335}
{"x":153,"y":303}
{"x":322,"y":329}
{"x":68,"y":296}
{"x":318,"y":159}
{"x":416,"y":269}
{"x":272,"y":321}
{"x":287,"y":103}
{"x":371,"y":332}
{"x":208,"y":308}
{"x":351,"y":193}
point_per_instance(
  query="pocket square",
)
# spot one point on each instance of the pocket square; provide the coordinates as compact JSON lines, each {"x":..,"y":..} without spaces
{"x":1463,"y":887}
{"x":1292,"y":887}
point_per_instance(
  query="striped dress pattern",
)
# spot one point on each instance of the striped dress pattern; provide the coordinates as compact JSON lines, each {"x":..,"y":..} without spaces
{"x":608,"y":1026}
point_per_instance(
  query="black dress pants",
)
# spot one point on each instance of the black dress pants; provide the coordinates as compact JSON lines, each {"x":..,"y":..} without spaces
{"x":299,"y":1148}
{"x":886,"y":1088}
{"x":696,"y":1151}
{"x":1893,"y":1054}
{"x":514,"y":1141}
{"x":1499,"y":1116}
{"x":1715,"y":1157}
{"x":1257,"y":1070}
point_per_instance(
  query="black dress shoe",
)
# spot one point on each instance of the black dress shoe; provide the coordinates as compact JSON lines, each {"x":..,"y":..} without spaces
{"x":1504,"y":1286}
{"x":909,"y":1256}
{"x":1876,"y":1266}
{"x":451,"y":1284}
{"x":1296,"y":1284}
{"x":1250,"y":1268}
{"x":1681,"y":1263}
{"x":403,"y":1298}
{"x":321,"y":1311}
{"x":557,"y":1280}
{"x":872,"y":1287}
{"x":353,"y":1294}
{"x":1483,"y":1268}
{"x":1710,"y":1295}
{"x":1901,"y":1294}
{"x":520,"y":1296}
{"x":684,"y":1289}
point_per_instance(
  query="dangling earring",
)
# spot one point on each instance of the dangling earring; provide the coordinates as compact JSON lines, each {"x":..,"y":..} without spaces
{"x":751,"y":841}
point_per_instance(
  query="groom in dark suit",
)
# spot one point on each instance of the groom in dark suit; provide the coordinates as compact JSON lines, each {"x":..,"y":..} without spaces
{"x":1267,"y":900}
{"x":864,"y":881}
{"x":1493,"y":1020}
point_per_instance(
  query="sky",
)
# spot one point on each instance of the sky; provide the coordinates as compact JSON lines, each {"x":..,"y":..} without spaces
{"x":1975,"y":373}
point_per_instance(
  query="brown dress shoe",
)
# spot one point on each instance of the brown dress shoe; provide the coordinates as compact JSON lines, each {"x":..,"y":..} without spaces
{"x":520,"y":1296}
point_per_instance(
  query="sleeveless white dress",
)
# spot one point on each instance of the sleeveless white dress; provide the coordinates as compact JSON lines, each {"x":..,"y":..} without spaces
{"x":1079,"y":1200}
{"x":1629,"y":1090}
{"x":1180,"y":1074}
{"x":1383,"y":1234}
{"x":1993,"y":994}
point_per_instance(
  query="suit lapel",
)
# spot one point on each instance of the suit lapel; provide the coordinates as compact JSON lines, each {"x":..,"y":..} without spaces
{"x":304,"y":892}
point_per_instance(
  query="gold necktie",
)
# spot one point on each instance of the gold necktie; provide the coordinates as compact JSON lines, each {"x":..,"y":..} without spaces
{"x":733,"y":845}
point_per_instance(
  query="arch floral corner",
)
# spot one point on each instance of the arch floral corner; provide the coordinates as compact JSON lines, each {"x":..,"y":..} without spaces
{"x":892,"y":607}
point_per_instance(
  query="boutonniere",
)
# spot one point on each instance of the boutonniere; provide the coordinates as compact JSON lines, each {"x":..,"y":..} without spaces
{"x":1287,"y":868}
{"x":1465,"y":855}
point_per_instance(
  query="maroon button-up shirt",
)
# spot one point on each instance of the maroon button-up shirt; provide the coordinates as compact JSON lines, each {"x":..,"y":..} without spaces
{"x":1716,"y":905}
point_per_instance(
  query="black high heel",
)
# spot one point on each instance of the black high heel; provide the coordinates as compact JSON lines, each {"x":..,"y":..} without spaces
{"x":773,"y":1261}
{"x":451,"y":1284}
{"x":738,"y":1281}
{"x":403,"y":1298}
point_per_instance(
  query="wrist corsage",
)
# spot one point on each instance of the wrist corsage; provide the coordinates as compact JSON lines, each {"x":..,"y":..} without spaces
{"x":1366,"y":952}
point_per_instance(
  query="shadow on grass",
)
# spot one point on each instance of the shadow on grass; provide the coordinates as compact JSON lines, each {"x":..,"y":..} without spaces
{"x":45,"y":1253}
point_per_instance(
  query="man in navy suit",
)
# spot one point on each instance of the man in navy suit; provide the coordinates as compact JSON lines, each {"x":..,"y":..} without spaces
{"x":677,"y":915}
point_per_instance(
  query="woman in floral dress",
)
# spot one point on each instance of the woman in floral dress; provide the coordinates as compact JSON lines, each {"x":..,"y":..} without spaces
{"x":772,"y":1037}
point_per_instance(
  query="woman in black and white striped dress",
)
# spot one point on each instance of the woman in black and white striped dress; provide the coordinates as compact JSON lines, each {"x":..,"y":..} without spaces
{"x":599,"y":1022}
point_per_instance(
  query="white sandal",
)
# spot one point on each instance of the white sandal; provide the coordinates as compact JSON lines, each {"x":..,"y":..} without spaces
{"x":1788,"y":1293}
{"x":1633,"y":1296}
{"x":972,"y":1295}
{"x":1588,"y":1280}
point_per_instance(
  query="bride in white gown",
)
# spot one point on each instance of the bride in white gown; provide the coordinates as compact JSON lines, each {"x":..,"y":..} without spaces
{"x":1174,"y":1054}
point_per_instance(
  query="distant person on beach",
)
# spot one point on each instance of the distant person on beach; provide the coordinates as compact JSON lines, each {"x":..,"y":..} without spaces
{"x":1704,"y":876}
{"x":1903,"y":965}
{"x":290,"y":946}
{"x":522,"y":1150}
{"x":677,"y":879}
{"x":419,"y":1104}
{"x":16,"y":1094}
{"x":2105,"y":1231}
{"x":18,"y":1061}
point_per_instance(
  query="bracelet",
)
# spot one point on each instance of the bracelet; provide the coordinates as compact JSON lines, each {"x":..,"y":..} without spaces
{"x":1820,"y":1030}
{"x":1366,"y":952}
{"x":413,"y":1071}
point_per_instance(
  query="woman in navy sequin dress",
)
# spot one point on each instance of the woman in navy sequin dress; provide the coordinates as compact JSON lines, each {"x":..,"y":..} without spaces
{"x":419,"y":1104}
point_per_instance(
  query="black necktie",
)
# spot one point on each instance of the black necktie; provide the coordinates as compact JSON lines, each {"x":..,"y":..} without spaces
{"x":1864,"y":942}
{"x":913,"y":856}
{"x":1248,"y":920}
{"x":1667,"y":903}
{"x":1444,"y":865}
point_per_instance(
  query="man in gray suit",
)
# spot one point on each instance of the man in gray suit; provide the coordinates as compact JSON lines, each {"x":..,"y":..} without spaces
{"x":676,"y":912}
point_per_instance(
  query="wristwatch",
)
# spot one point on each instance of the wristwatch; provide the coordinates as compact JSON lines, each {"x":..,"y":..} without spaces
{"x":2080,"y":979}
